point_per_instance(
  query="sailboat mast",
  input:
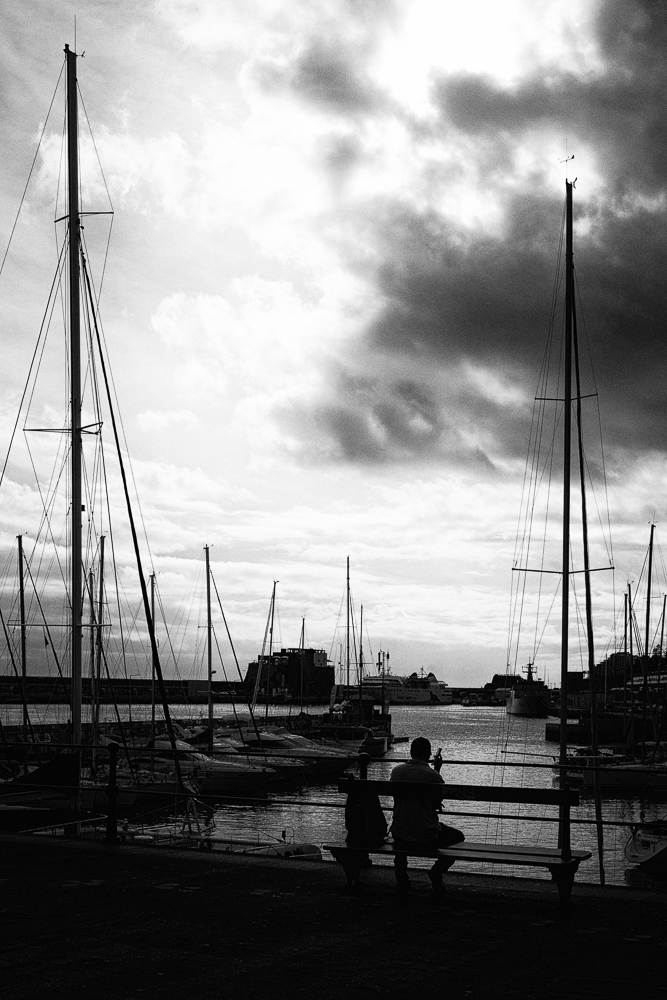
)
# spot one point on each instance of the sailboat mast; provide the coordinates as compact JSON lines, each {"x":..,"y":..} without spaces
{"x":209,"y":650}
{"x":646,"y":642}
{"x":270,"y":660}
{"x":564,"y":832}
{"x":152,"y":579}
{"x":347,"y":655}
{"x":302,"y":647}
{"x":75,"y":386}
{"x":98,"y":649}
{"x":24,"y":658}
{"x":662,"y":639}
{"x":361,"y":658}
{"x":632,"y":669}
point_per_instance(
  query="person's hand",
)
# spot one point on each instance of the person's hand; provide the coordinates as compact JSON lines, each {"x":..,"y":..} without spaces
{"x":437,"y":761}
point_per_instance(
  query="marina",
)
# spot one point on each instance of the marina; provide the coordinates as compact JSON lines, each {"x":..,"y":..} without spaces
{"x":259,"y":487}
{"x":481,"y":745}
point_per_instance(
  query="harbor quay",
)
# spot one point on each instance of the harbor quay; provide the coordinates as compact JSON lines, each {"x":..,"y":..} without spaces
{"x":83,"y":919}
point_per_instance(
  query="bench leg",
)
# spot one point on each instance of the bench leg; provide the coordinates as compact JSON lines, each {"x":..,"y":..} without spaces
{"x":352,"y":862}
{"x":401,"y":872}
{"x":563,"y":876}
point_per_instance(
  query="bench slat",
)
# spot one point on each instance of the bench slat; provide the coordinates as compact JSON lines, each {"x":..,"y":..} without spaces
{"x":468,"y":793}
{"x":478,"y":852}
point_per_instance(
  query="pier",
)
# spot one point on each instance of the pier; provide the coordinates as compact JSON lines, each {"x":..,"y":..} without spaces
{"x":144,"y":922}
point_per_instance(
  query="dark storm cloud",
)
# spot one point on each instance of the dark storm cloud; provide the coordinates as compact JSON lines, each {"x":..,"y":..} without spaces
{"x":328,"y":75}
{"x":452,"y":295}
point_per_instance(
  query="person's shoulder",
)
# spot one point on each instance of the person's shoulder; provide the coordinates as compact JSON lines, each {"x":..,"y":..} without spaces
{"x":413,"y":770}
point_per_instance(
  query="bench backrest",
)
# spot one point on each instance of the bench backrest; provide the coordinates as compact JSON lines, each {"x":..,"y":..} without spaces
{"x":363,"y":788}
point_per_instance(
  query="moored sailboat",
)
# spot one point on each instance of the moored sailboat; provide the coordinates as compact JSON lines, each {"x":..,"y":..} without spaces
{"x":81,"y":501}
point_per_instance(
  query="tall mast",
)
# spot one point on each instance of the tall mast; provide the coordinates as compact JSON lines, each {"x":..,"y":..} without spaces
{"x":564,"y":831}
{"x":24,"y":658}
{"x":270,"y":660}
{"x":98,"y":649}
{"x":632,"y":668}
{"x":588,"y":601}
{"x":361,"y":658}
{"x":92,"y":637}
{"x":152,"y":579}
{"x":75,"y":386}
{"x":347,"y":656}
{"x":302,"y":647}
{"x":646,"y":642}
{"x":209,"y":650}
{"x":662,"y":639}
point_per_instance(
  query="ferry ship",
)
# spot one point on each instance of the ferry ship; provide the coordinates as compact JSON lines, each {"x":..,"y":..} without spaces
{"x":391,"y":689}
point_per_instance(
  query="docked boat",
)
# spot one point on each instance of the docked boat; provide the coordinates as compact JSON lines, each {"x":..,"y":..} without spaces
{"x":78,"y":488}
{"x":393,"y":689}
{"x":355,"y":739}
{"x":529,"y":697}
{"x":211,"y":776}
{"x":647,"y":847}
{"x":628,"y":778}
{"x":277,"y":746}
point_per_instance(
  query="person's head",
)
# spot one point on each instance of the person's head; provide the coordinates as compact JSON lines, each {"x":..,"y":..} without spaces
{"x":420,"y":749}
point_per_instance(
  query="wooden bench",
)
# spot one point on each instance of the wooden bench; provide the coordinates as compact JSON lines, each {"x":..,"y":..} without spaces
{"x":561,"y":862}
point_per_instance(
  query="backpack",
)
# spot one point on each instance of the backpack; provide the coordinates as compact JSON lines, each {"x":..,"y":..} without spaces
{"x":364,"y":821}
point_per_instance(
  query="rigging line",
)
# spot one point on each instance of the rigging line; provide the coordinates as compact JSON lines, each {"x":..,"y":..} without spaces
{"x":108,"y":374}
{"x":25,"y":388}
{"x":166,"y":627}
{"x":10,"y":650}
{"x":114,"y":564}
{"x":45,"y":327}
{"x":229,"y":636}
{"x":32,"y":167}
{"x":601,"y":439}
{"x":46,"y":516}
{"x":586,"y":337}
{"x":181,"y":622}
{"x":252,"y":714}
{"x":92,"y":136}
{"x":135,"y":541}
{"x":68,"y":697}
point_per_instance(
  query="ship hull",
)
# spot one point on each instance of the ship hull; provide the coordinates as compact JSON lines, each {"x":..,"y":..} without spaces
{"x":530,"y":706}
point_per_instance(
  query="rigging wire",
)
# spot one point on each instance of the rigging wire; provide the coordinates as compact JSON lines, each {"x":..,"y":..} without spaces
{"x":32,"y":167}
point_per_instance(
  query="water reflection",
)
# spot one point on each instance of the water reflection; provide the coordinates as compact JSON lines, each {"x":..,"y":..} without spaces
{"x":484,"y":744}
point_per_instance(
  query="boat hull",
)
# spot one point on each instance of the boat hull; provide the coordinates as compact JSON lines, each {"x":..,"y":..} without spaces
{"x":529,"y":706}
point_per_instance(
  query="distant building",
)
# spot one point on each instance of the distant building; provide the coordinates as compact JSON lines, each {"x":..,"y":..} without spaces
{"x":500,"y":686}
{"x":296,"y":675}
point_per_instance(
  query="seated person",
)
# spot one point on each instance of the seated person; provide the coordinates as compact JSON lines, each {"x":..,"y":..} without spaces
{"x":415,"y":824}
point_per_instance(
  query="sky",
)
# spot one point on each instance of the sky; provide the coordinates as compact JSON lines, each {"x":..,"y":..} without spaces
{"x":327,"y":293}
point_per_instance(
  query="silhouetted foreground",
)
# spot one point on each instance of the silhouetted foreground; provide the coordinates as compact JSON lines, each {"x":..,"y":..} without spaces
{"x":79,"y":919}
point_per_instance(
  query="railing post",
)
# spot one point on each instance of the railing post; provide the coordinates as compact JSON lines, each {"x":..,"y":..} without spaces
{"x":111,"y":836}
{"x":364,"y":761}
{"x":564,"y":818}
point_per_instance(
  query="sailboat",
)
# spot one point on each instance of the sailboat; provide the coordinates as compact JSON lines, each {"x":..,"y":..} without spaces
{"x":83,"y":330}
{"x":642,"y":769}
{"x":568,"y":416}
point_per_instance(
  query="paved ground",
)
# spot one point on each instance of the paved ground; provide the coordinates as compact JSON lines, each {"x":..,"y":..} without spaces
{"x":79,"y":919}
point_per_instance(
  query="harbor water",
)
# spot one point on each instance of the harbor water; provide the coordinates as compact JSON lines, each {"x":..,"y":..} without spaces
{"x":480,"y":745}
